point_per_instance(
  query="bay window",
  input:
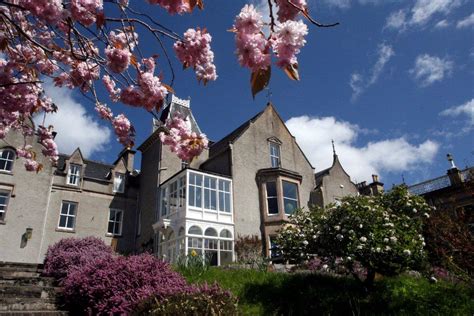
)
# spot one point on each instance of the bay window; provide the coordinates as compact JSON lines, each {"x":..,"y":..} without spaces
{"x":290,"y":197}
{"x":272,"y":198}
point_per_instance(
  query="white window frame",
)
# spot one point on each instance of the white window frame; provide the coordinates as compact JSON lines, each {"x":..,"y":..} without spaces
{"x":10,"y":158}
{"x":289,"y":198}
{"x":76,"y":176}
{"x":210,"y":191}
{"x":119,"y":187}
{"x":275,"y":157}
{"x":115,"y":221}
{"x":68,"y":215}
{"x":275,"y":197}
{"x":225,"y":194}
{"x":4,"y":206}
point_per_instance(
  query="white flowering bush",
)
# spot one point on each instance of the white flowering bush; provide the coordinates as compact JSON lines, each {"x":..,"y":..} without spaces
{"x":381,"y":233}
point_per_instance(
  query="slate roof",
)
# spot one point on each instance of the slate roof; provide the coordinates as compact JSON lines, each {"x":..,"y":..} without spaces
{"x":94,"y":169}
{"x":222,"y":144}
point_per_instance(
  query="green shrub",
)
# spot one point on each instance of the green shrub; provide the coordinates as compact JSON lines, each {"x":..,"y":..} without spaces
{"x":201,"y":301}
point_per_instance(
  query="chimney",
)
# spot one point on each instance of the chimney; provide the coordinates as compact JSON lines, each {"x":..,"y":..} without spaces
{"x":454,"y":173}
{"x":376,"y":187}
{"x":129,"y":156}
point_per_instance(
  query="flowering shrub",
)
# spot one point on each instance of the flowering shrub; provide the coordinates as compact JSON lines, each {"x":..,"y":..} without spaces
{"x":71,"y":253}
{"x":383,"y":233}
{"x":201,"y":300}
{"x":116,"y":286}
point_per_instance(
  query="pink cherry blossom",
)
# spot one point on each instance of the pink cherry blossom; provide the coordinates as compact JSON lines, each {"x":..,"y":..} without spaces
{"x":287,"y":41}
{"x":51,"y":11}
{"x":118,"y":59}
{"x":85,"y":11}
{"x":124,"y":130}
{"x":195,"y":51}
{"x":104,"y":111}
{"x":253,"y":49}
{"x":181,"y":140}
{"x":287,"y":11}
{"x":173,"y":6}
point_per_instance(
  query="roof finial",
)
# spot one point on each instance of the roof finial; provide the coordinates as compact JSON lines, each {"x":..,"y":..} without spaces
{"x":333,"y":148}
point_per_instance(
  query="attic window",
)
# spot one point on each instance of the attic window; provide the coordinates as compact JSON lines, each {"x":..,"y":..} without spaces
{"x":74,"y":174}
{"x":275,"y":154}
{"x":119,"y":182}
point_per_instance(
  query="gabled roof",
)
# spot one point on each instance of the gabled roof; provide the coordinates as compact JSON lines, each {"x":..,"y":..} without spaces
{"x":318,"y":176}
{"x":94,"y":169}
{"x":223,"y":144}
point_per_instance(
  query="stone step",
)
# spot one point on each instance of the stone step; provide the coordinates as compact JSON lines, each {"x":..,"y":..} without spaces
{"x":9,"y":274}
{"x":27,"y":291}
{"x":28,"y":267}
{"x":27,"y":304}
{"x":34,"y":313}
{"x":16,"y":280}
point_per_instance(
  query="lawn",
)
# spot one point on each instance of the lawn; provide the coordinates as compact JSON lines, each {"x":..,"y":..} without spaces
{"x":271,"y":293}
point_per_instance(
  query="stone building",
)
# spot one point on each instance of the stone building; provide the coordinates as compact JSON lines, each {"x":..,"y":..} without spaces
{"x":77,"y":198}
{"x":247,"y":183}
{"x":454,"y":190}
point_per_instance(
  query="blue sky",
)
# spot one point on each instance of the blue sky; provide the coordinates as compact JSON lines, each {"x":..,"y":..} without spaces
{"x":393,"y":85}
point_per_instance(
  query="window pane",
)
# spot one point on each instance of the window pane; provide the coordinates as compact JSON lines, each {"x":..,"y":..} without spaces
{"x":290,"y":206}
{"x":110,"y":229}
{"x":195,"y":230}
{"x":272,"y":205}
{"x":213,"y":200}
{"x":70,"y":222}
{"x":271,"y":189}
{"x":62,"y":221}
{"x":226,"y":257}
{"x":226,"y":233}
{"x":198,"y":197}
{"x":210,"y":232}
{"x":227,"y":202}
{"x":192,"y":202}
{"x":289,"y":190}
{"x":72,"y":209}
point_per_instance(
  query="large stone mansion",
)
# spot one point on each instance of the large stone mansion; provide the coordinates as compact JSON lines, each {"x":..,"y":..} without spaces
{"x":247,"y":183}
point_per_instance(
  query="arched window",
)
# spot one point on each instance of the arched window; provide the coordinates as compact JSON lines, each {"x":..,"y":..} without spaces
{"x":226,"y":234}
{"x":210,"y":232}
{"x":7,"y":156}
{"x":170,"y":235}
{"x":195,"y":230}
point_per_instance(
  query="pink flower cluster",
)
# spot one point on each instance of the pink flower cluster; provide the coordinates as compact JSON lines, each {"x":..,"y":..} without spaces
{"x":124,"y":130}
{"x":173,"y":6}
{"x":287,"y":41}
{"x":182,"y":141}
{"x":195,"y":51}
{"x":115,"y":286}
{"x":46,"y":138}
{"x":86,"y":11}
{"x":51,"y":11}
{"x":104,"y":111}
{"x":287,"y":11}
{"x":72,"y":253}
{"x":253,"y":49}
{"x":119,"y":52}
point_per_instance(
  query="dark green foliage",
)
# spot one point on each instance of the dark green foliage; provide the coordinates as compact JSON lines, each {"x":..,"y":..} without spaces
{"x":313,"y":294}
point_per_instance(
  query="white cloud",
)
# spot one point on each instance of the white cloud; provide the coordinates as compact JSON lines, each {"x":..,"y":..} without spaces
{"x":442,"y":24}
{"x":75,"y":127}
{"x":429,"y":69}
{"x":424,"y":10}
{"x":463,"y":109}
{"x":358,"y":83}
{"x":421,"y":13}
{"x":466,"y":22}
{"x":397,"y":20}
{"x":314,"y":135}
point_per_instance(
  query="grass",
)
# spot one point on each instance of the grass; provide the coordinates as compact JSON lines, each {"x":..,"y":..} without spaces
{"x":270,"y":293}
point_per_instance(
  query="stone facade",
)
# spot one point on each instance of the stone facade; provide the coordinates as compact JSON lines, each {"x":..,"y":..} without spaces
{"x":42,"y":208}
{"x":246,"y":184}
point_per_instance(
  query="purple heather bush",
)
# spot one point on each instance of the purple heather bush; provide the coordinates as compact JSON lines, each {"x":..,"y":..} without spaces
{"x":116,"y":285}
{"x":71,"y":253}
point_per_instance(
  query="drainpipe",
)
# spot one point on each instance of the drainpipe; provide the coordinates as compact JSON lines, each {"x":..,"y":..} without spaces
{"x":43,"y":232}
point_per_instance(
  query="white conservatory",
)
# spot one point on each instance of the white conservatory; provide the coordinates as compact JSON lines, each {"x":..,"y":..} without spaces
{"x":195,"y":214}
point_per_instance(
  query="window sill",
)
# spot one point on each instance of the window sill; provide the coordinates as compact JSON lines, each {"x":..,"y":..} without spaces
{"x":9,"y":173}
{"x":65,"y":230}
{"x":2,"y":222}
{"x":113,"y":236}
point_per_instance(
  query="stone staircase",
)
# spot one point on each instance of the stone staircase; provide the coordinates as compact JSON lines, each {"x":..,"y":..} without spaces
{"x":23,"y":291}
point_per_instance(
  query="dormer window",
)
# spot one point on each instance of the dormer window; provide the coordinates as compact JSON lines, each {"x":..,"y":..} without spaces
{"x":74,"y":174}
{"x":7,"y":157}
{"x":119,"y":182}
{"x":275,"y":154}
